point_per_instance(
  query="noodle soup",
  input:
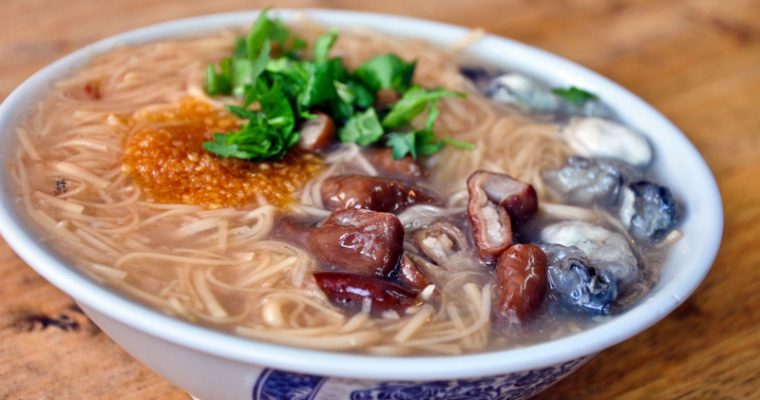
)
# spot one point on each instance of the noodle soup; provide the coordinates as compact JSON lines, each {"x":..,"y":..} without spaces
{"x":525,"y":214}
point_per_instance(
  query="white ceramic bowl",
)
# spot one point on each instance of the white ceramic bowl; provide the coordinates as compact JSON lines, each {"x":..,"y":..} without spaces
{"x":212,"y":365}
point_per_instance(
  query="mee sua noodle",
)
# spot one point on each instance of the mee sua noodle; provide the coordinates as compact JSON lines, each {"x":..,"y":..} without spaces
{"x":529,"y":215}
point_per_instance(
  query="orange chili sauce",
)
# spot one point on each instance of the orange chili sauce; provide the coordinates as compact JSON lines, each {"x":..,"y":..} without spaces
{"x":165,"y":156}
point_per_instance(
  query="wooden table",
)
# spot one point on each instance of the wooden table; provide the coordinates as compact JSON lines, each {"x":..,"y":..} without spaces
{"x":696,"y":61}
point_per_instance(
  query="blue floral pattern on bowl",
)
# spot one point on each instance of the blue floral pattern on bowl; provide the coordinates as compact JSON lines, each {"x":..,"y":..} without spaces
{"x":276,"y":385}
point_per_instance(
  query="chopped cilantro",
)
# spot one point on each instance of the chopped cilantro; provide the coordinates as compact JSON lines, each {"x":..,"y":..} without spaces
{"x":362,"y":128}
{"x":386,"y":71}
{"x":450,"y":141}
{"x":412,"y":103}
{"x":268,"y":134}
{"x":319,"y":88}
{"x":575,"y":95}
{"x":421,"y":142}
{"x":278,"y":89}
{"x":218,"y":83}
{"x":258,"y":35}
{"x":323,"y":44}
{"x":416,"y":143}
{"x":402,"y":143}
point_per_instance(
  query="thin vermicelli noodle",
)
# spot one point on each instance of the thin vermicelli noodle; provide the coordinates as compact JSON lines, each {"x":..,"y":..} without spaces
{"x":219,"y":266}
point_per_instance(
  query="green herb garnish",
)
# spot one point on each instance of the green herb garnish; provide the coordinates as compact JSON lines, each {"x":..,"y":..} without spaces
{"x":280,"y":88}
{"x":219,"y":82}
{"x":323,"y":44}
{"x":268,"y":134}
{"x":575,"y":95}
{"x":362,"y":128}
{"x":461,"y":144}
{"x":413,"y":103}
{"x":386,"y":71}
{"x":421,"y":142}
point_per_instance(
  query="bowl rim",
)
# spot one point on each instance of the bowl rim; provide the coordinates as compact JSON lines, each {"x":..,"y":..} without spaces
{"x":348,"y":365}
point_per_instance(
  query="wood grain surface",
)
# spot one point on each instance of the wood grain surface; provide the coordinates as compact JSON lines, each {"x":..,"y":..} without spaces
{"x":696,"y":61}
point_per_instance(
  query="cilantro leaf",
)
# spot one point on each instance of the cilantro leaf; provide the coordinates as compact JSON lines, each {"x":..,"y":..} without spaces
{"x":416,"y":143}
{"x":241,"y":48}
{"x":268,"y":134}
{"x":241,"y":112}
{"x":427,"y":143}
{"x":575,"y":95}
{"x":345,"y":92}
{"x":432,"y":116}
{"x":292,"y":74}
{"x":279,"y":90}
{"x":362,"y":128}
{"x":362,"y":96}
{"x":386,"y":71}
{"x":323,"y":44}
{"x":286,"y":43}
{"x":251,"y":56}
{"x":229,"y":145}
{"x":413,"y":103}
{"x":278,"y":110}
{"x":246,"y":71}
{"x":319,"y":88}
{"x":422,"y":142}
{"x":401,"y":144}
{"x":218,"y":83}
{"x":351,"y":95}
{"x":340,"y":73}
{"x":258,"y":34}
{"x":450,"y":141}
